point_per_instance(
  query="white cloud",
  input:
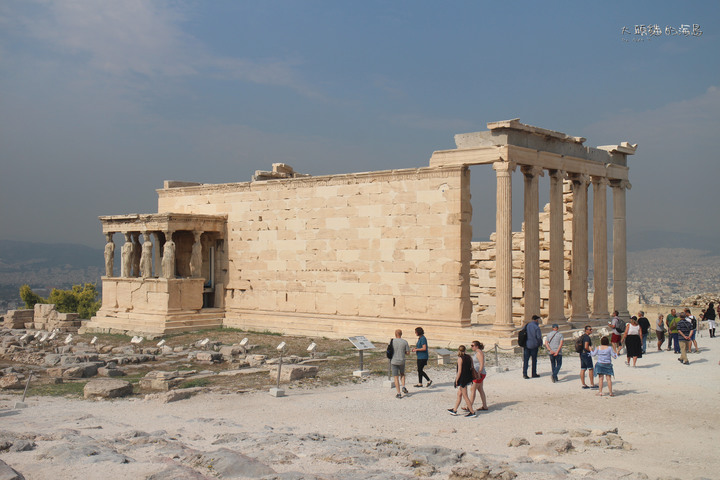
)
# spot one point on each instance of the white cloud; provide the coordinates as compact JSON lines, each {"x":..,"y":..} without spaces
{"x":135,"y":37}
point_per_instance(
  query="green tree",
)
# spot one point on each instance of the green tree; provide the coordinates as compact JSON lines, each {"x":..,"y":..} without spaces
{"x":81,"y":299}
{"x":29,"y":297}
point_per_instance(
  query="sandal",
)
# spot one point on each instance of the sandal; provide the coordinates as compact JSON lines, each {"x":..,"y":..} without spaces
{"x":611,"y":395}
{"x":464,"y":408}
{"x":429,"y":383}
{"x":419,"y":385}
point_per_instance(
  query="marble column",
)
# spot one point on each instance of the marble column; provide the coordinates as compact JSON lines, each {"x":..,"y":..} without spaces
{"x":556,"y":307}
{"x":168,"y":260}
{"x":600,"y":251}
{"x":109,"y":255}
{"x":146,"y":265}
{"x":620,"y":248}
{"x":126,"y":253}
{"x":136,"y":253}
{"x":532,"y":241}
{"x":579,"y":274}
{"x":503,"y":247}
{"x":159,"y":244}
{"x":196,"y":256}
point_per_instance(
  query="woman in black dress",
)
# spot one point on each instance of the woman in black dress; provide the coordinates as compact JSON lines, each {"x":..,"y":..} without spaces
{"x":463,"y":378}
{"x":633,"y":341}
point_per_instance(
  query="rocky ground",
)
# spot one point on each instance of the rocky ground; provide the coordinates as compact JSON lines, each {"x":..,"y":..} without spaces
{"x":662,"y":424}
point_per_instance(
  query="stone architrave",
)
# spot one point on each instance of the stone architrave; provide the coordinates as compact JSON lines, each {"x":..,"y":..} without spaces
{"x":556,"y":300}
{"x":168,"y":260}
{"x":196,"y":256}
{"x":503,"y":247}
{"x":136,"y":253}
{"x":619,"y":246}
{"x":146,"y":257}
{"x":109,"y":255}
{"x":532,"y":241}
{"x":126,"y":257}
{"x":600,"y":252}
{"x":579,"y":275}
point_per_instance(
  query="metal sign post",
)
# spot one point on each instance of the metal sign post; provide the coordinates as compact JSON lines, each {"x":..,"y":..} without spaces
{"x":277,"y":391}
{"x":362,"y":344}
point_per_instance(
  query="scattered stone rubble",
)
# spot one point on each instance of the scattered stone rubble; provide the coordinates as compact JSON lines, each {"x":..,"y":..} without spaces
{"x":53,"y":354}
{"x":268,"y":454}
{"x":42,"y":317}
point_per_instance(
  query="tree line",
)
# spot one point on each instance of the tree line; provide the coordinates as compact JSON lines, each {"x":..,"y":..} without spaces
{"x":80,"y":299}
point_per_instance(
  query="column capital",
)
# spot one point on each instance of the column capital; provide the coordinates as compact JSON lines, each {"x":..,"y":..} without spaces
{"x":623,"y":184}
{"x":600,"y":181}
{"x":579,"y":178}
{"x":504,"y":167}
{"x":557,"y":174}
{"x":531,"y":171}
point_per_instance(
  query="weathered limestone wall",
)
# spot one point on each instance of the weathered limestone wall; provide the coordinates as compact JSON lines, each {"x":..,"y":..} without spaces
{"x":482,"y":268}
{"x":382,"y":245}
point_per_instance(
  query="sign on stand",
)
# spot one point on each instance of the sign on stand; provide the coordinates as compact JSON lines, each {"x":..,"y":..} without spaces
{"x":362,"y":344}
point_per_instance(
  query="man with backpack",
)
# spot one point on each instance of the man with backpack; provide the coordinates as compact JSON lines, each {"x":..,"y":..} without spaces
{"x":400,"y":348}
{"x":618,"y":328}
{"x":584,"y":347}
{"x":532,"y":344}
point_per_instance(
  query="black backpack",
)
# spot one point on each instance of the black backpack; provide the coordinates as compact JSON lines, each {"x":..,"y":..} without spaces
{"x":620,"y":325}
{"x":522,"y":337}
{"x":579,"y":344}
{"x":390,"y":350}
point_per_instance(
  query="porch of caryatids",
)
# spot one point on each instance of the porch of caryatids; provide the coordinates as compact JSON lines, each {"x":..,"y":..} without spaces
{"x":556,"y":300}
{"x":620,"y":247}
{"x":600,"y":251}
{"x":503,"y":247}
{"x":579,"y":274}
{"x":532,"y":241}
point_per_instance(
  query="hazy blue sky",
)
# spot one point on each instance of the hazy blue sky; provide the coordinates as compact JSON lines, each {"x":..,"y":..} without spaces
{"x":100,"y":101}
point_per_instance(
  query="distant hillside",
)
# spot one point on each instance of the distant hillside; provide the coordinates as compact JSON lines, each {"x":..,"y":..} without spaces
{"x":651,"y":240}
{"x":45,"y":266}
{"x":22,"y":256}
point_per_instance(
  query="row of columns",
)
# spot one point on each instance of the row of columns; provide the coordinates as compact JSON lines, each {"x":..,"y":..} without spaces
{"x":579,"y":277}
{"x":137,"y":260}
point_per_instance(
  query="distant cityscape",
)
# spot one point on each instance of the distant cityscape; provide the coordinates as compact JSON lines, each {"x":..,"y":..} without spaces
{"x":661,"y":276}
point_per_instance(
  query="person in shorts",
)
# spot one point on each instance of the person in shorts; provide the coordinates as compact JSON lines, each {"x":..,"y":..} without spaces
{"x":397,"y":362}
{"x":586,"y":360}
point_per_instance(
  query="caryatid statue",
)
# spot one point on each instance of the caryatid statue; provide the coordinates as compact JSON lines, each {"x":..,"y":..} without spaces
{"x":196,"y":256}
{"x":146,"y":257}
{"x":168,"y":260}
{"x":126,"y":257}
{"x":136,"y":254}
{"x":109,"y":255}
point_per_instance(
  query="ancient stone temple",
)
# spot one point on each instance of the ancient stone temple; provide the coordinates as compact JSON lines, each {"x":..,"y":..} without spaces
{"x":365,"y":253}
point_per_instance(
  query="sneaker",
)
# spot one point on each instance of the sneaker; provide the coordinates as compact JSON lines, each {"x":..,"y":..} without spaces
{"x":679,"y":360}
{"x":585,"y":386}
{"x":452,"y":412}
{"x":536,"y":376}
{"x":554,"y":379}
{"x":525,"y":377}
{"x":404,"y":390}
{"x":468,"y":414}
{"x":398,"y":396}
